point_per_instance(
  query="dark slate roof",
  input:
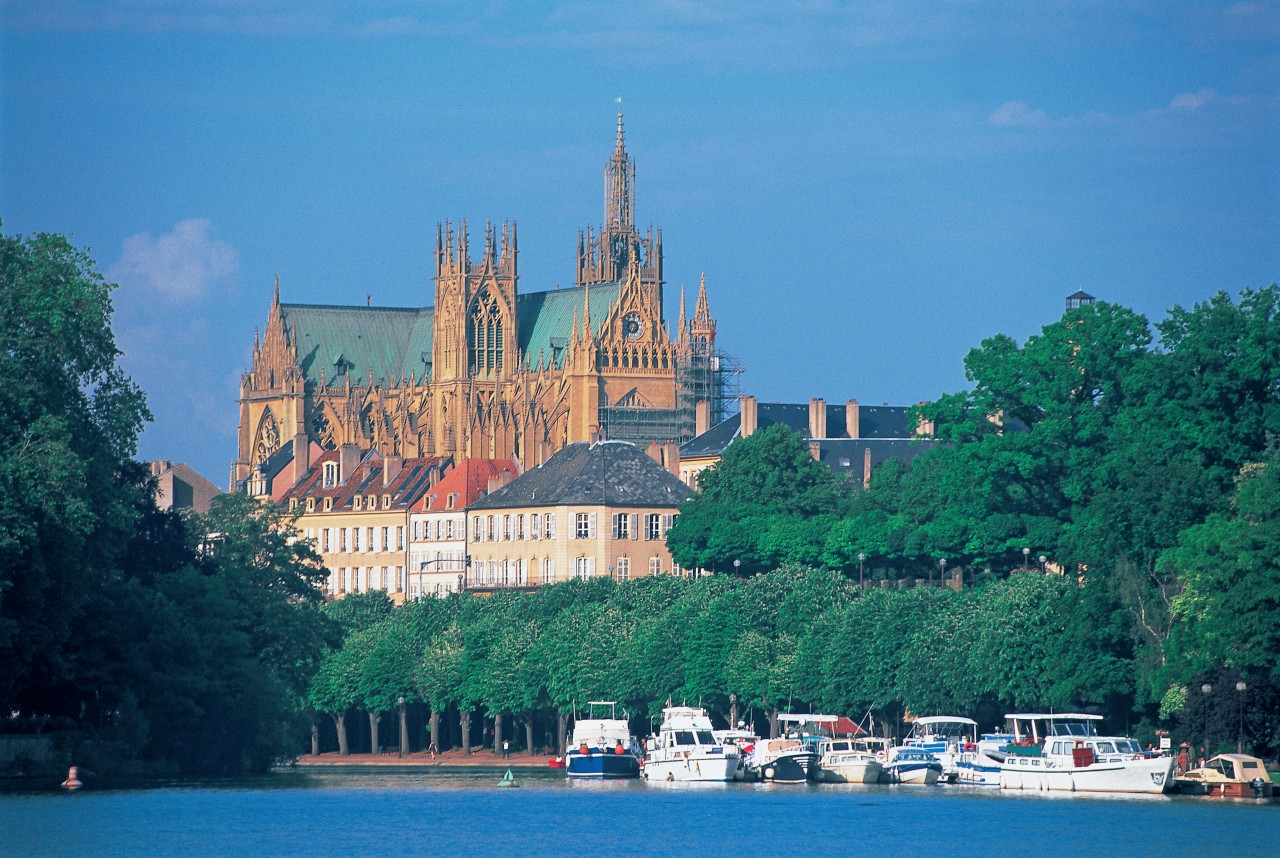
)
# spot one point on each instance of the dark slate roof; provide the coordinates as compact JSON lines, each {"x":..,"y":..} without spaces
{"x":395,"y":342}
{"x":874,"y":421}
{"x":847,"y":455}
{"x":607,"y":473}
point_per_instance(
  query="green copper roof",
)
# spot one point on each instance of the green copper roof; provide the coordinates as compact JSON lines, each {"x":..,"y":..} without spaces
{"x":395,"y":342}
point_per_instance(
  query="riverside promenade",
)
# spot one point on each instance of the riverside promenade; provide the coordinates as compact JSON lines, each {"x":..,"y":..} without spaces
{"x":455,"y":758}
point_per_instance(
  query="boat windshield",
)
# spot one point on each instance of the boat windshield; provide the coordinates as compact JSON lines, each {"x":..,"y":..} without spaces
{"x":1071,"y":728}
{"x":694,"y":737}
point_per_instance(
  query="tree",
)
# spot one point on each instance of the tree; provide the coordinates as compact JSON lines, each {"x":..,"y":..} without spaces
{"x":757,"y":506}
{"x":71,"y":417}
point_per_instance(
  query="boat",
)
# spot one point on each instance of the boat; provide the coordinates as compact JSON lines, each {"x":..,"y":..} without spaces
{"x":847,"y":761}
{"x":742,"y":739}
{"x":602,"y":747}
{"x":1228,"y":776}
{"x":1063,"y":752}
{"x":979,"y":765}
{"x":949,"y":738}
{"x":910,"y":765}
{"x":686,"y":749}
{"x":784,"y":760}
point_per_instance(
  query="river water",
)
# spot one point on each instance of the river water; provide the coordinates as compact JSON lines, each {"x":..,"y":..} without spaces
{"x":435,"y":813}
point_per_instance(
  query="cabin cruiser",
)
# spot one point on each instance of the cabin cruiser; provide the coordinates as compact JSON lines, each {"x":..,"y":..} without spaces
{"x":847,"y":761}
{"x":744,"y":740}
{"x":1229,"y":775}
{"x":784,"y":760}
{"x":685,"y":749}
{"x":602,"y":746}
{"x":1065,"y":752}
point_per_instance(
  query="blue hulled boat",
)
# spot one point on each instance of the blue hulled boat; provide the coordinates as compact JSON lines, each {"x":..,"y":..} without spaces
{"x":602,"y":747}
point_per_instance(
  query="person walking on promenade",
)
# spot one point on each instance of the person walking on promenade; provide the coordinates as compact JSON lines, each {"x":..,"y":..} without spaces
{"x":506,"y":749}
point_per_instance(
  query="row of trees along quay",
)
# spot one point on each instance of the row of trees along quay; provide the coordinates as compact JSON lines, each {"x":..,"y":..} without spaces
{"x":1140,"y":460}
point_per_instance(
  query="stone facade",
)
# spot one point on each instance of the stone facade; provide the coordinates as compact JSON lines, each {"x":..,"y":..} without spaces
{"x":486,"y":372}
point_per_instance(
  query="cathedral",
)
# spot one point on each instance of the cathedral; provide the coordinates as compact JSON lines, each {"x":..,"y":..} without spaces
{"x":488,"y":372}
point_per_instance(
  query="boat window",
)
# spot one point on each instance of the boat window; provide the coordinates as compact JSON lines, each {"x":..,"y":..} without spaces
{"x":1058,"y":748}
{"x":1106,"y":747}
{"x":1223,"y":766}
{"x":1249,"y":764}
{"x":1128,"y":746}
{"x":705,"y":738}
{"x":684,"y":737}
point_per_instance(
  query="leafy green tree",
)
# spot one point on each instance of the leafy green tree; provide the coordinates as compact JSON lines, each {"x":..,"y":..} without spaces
{"x":757,"y":506}
{"x":71,"y":418}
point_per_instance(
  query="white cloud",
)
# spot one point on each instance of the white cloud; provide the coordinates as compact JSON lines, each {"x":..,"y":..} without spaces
{"x":1013,"y":114}
{"x":1192,"y":100}
{"x":182,"y":265}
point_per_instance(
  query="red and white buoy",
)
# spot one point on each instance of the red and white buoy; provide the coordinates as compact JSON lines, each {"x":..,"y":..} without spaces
{"x":72,"y":782}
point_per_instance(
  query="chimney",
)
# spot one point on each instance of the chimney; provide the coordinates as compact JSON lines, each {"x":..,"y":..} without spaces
{"x":924,"y":428}
{"x":851,"y":418}
{"x":748,"y":417}
{"x":701,"y":417}
{"x":348,"y":459}
{"x":653,"y":451}
{"x":391,"y":466}
{"x":301,"y":457}
{"x":815,"y":450}
{"x":866,"y":468}
{"x":817,"y":418}
{"x":671,"y":457}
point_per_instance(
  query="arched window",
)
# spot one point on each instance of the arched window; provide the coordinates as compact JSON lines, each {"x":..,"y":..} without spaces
{"x":486,"y":335}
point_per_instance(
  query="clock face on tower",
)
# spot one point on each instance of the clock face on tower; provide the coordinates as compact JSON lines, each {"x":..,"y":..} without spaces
{"x":631,"y":326}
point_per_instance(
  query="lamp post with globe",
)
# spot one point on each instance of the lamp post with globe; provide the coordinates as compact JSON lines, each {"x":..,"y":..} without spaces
{"x":1241,"y":687}
{"x":1206,"y":690}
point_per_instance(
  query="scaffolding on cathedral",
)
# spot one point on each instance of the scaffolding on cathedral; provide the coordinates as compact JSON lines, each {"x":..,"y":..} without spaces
{"x":713,"y":377}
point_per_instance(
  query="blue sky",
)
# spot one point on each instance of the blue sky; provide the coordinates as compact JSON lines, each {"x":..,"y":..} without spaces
{"x":870,"y":188}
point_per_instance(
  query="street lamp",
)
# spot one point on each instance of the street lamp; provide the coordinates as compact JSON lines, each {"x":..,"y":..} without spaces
{"x":942,"y":572}
{"x":403,"y":731}
{"x":737,"y":565}
{"x":861,"y":557}
{"x":1242,"y":688}
{"x":1042,"y":562}
{"x":1206,"y":690}
{"x":1026,"y":557}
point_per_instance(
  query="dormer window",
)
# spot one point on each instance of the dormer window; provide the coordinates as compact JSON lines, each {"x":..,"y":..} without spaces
{"x":450,"y":500}
{"x":386,"y":501}
{"x":293,"y":503}
{"x":328,"y":504}
{"x":330,"y":474}
{"x":357,"y":502}
{"x":311,"y":504}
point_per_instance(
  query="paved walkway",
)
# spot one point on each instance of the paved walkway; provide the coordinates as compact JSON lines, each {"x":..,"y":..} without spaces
{"x":480,"y":759}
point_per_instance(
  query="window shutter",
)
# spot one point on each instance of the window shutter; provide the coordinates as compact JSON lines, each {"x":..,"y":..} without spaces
{"x":635,"y":525}
{"x":591,"y":527}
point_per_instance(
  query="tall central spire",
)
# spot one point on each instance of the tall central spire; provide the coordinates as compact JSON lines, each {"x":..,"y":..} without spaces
{"x":619,"y":186}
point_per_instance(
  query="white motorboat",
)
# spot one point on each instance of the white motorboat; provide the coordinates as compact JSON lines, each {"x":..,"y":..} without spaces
{"x":845,"y":761}
{"x":966,"y":758}
{"x":908,"y":765}
{"x":1064,"y":752}
{"x":742,"y":739}
{"x":685,"y":749}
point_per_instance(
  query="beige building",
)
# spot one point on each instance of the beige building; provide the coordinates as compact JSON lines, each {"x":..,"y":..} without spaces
{"x":591,"y":510}
{"x":438,"y":525}
{"x":355,"y":507}
{"x":180,"y":487}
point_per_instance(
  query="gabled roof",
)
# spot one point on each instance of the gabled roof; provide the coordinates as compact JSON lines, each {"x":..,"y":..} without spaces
{"x":406,"y":488}
{"x":607,"y":473}
{"x":394,"y":343}
{"x":874,"y":421}
{"x":467,"y":482}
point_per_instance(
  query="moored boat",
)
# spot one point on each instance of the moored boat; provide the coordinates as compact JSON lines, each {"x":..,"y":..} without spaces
{"x":843,"y":761}
{"x":602,"y":747}
{"x":686,"y":749}
{"x":1228,"y":776}
{"x":1065,"y":753}
{"x":908,"y":765}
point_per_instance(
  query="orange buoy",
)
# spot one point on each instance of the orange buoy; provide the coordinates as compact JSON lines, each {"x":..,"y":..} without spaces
{"x":72,"y":782}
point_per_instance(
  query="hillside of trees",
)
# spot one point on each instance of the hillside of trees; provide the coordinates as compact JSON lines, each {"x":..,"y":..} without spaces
{"x":1139,"y":460}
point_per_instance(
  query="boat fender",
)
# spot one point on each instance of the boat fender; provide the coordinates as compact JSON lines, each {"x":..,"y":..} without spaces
{"x":769,"y":773}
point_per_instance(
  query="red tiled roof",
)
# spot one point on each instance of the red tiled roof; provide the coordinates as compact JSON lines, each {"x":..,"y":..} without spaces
{"x":415,"y":477}
{"x":468,"y":481}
